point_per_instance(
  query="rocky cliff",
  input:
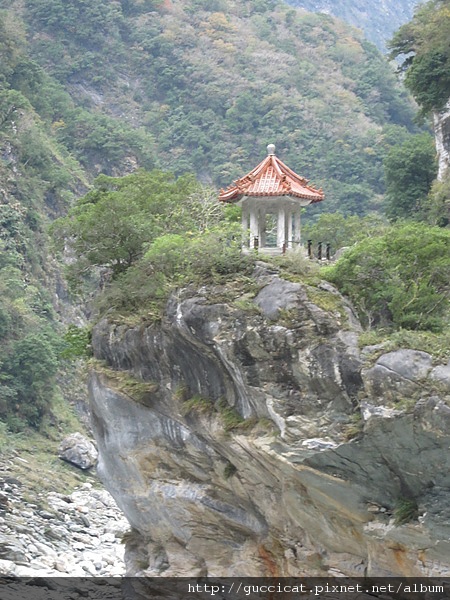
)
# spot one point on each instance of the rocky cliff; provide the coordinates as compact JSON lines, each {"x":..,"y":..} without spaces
{"x":442,"y":137}
{"x":247,"y":434}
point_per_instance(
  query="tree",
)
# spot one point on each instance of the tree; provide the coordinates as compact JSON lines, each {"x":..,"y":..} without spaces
{"x":422,"y":45}
{"x":177,"y":260}
{"x":27,"y":373}
{"x":410,"y":169}
{"x":113,"y":224}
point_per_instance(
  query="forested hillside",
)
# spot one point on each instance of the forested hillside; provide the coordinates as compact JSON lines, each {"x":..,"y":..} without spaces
{"x":191,"y":87}
{"x":39,"y":180}
{"x":203,"y":86}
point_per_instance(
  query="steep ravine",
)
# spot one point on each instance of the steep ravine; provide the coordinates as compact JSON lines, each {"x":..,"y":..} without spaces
{"x":260,"y":440}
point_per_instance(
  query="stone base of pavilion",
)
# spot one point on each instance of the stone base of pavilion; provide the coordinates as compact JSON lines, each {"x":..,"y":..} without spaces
{"x":300,"y":250}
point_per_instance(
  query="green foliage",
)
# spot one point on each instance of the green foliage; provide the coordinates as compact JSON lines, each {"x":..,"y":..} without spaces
{"x":27,"y":372}
{"x":77,"y":343}
{"x":230,"y":418}
{"x":436,"y":344}
{"x":423,"y":46}
{"x":229,"y":470}
{"x":106,"y":87}
{"x":400,"y":278}
{"x":95,"y":26}
{"x":29,"y":343}
{"x":410,"y":169}
{"x":294,"y":266}
{"x":199,"y":405}
{"x":38,"y":177}
{"x":102,"y":139}
{"x":152,"y":232}
{"x":126,"y":383}
{"x":172,"y":261}
{"x":329,"y":302}
{"x":137,"y":7}
{"x":405,"y":510}
{"x":111,"y":225}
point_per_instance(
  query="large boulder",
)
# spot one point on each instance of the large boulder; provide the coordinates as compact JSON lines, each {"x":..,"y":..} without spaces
{"x":78,"y":450}
{"x":397,"y":374}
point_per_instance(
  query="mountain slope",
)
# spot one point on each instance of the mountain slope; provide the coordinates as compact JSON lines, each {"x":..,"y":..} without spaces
{"x":39,"y":179}
{"x":204,"y":86}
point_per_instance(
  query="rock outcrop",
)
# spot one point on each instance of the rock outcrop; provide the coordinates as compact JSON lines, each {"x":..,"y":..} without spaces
{"x":442,"y":137}
{"x":246,"y":435}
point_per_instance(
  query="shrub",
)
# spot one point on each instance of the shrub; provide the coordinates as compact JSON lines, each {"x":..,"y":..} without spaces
{"x":405,"y":510}
{"x":27,"y":377}
{"x":77,"y":342}
{"x":400,"y":278}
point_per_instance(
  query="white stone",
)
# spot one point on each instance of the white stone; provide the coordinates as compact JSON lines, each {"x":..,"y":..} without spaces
{"x":7,"y":568}
{"x":319,"y":444}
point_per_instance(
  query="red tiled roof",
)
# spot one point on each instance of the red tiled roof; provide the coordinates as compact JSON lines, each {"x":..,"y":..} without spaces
{"x":271,"y":178}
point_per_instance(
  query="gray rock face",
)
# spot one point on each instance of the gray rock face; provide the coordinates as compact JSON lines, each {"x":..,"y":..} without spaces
{"x":246,"y":457}
{"x":277,"y":295}
{"x":442,"y":138}
{"x":397,"y":374}
{"x":441,"y":374}
{"x":78,"y":450}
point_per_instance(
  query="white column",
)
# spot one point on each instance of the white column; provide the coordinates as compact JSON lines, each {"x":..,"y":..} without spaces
{"x":297,"y":236}
{"x":244,"y":221}
{"x":289,"y":228}
{"x":281,"y":227}
{"x":254,"y":225}
{"x":262,"y":227}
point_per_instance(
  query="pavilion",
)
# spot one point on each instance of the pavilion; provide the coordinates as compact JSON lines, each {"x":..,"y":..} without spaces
{"x":271,"y":197}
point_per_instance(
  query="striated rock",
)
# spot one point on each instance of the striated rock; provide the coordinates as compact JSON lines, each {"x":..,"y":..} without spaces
{"x":248,"y":455}
{"x":78,"y":450}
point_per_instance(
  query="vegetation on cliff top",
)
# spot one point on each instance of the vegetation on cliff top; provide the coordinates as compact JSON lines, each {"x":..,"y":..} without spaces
{"x":151,"y":243}
{"x":149,"y":233}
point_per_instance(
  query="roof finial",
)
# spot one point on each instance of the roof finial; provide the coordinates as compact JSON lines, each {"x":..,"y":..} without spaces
{"x":271,"y":149}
